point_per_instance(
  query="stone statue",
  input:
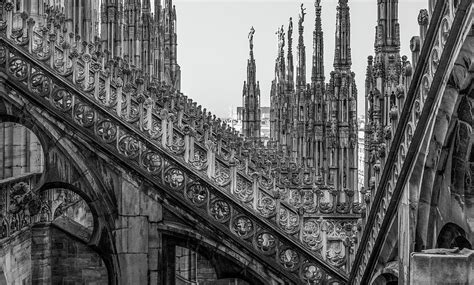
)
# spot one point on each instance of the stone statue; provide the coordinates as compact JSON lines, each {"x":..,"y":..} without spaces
{"x":303,"y":13}
{"x":290,"y":27}
{"x":281,"y":38}
{"x":252,"y":32}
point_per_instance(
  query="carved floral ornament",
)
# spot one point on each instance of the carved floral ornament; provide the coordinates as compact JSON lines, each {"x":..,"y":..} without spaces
{"x":441,"y":35}
{"x":21,"y":206}
{"x":99,"y":113}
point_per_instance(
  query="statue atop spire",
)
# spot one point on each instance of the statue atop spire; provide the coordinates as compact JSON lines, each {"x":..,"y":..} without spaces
{"x":290,"y":67}
{"x":301,"y":20}
{"x":281,"y":40}
{"x":301,"y":67}
{"x":252,"y":32}
{"x":251,"y":97}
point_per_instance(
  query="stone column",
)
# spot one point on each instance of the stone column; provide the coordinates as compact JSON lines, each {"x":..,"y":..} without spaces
{"x":137,"y":238}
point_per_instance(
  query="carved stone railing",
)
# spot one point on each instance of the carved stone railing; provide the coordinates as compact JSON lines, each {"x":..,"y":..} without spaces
{"x":435,"y":48}
{"x":114,"y":109}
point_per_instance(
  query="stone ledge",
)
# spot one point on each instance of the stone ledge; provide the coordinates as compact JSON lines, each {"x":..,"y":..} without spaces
{"x":442,"y":266}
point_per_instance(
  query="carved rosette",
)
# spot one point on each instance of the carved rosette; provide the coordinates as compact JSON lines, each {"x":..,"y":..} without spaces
{"x":129,"y":146}
{"x":289,"y":259}
{"x":40,"y":84}
{"x":312,"y":274}
{"x":220,"y":210}
{"x":61,"y":99}
{"x":197,"y":194}
{"x":17,"y":68}
{"x":152,"y":162}
{"x":265,"y":242}
{"x":84,"y":114}
{"x":174,"y":178}
{"x":126,"y":139}
{"x":106,"y":131}
{"x":242,"y":226}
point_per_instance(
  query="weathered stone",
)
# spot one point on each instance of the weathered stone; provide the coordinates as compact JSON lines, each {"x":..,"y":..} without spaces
{"x":129,"y":200}
{"x":442,"y":268}
{"x":135,"y":268}
{"x":150,"y":208}
{"x":137,"y":235}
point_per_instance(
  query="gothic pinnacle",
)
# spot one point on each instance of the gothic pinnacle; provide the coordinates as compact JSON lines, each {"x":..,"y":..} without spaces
{"x":290,"y":36}
{"x":289,"y":67}
{"x":318,"y":46}
{"x":342,"y":55}
{"x":301,"y":68}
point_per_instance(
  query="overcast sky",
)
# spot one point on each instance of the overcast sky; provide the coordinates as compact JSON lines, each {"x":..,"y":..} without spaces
{"x":213,"y":45}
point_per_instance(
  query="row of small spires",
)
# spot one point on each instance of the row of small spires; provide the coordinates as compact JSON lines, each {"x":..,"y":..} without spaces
{"x":142,"y":36}
{"x":342,"y":58}
{"x":131,"y":77}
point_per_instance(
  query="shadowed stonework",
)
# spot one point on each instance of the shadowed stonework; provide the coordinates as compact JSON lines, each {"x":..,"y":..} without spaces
{"x":110,"y":175}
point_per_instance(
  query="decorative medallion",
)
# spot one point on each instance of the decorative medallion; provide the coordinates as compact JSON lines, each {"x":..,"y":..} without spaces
{"x":174,"y":178}
{"x":17,"y":68}
{"x":312,"y":273}
{"x":220,"y":210}
{"x":129,"y":146}
{"x":62,"y":100}
{"x":242,"y":226}
{"x":289,"y":259}
{"x":40,"y":84}
{"x":152,"y":161}
{"x":84,"y":114}
{"x":197,"y":194}
{"x":265,"y":242}
{"x":106,"y":130}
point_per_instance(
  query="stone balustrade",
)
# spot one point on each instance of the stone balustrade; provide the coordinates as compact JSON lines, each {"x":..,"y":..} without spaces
{"x":419,"y":92}
{"x":300,"y":224}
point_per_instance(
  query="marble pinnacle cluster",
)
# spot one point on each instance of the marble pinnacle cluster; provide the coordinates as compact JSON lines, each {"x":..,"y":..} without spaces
{"x":143,"y":36}
{"x":313,"y":124}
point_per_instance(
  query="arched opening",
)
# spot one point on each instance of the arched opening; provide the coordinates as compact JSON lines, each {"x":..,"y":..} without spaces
{"x":68,"y":208}
{"x":189,"y":262}
{"x":451,"y":236}
{"x":21,"y":152}
{"x":386,"y":279}
{"x":21,"y":166}
{"x":194,"y":268}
